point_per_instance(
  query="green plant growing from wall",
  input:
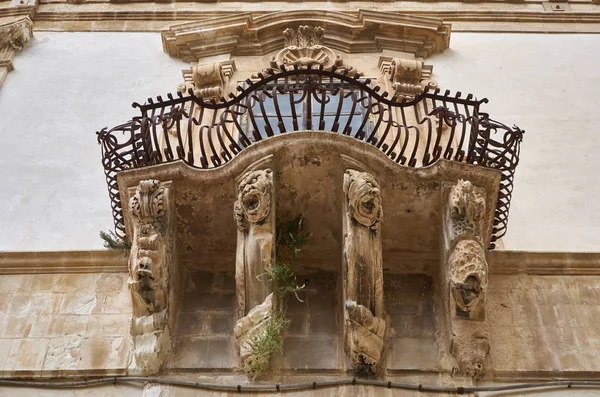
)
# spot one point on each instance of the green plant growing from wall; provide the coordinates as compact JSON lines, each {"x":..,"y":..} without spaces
{"x":282,"y":281}
{"x":114,"y":242}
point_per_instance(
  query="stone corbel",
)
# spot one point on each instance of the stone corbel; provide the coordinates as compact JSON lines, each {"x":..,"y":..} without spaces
{"x":152,"y":275}
{"x":363,"y":272}
{"x":254,"y":213}
{"x":13,"y":37}
{"x":208,"y":80}
{"x":407,"y":77}
{"x":466,"y":277}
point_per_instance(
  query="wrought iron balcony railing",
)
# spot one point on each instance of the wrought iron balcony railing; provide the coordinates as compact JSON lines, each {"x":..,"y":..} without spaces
{"x":413,"y":132}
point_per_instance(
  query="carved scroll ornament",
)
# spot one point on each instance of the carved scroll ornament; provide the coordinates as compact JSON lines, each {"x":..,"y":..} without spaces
{"x":208,"y":80}
{"x":408,"y":77}
{"x":149,"y":277}
{"x":254,"y":217}
{"x":363,"y":271}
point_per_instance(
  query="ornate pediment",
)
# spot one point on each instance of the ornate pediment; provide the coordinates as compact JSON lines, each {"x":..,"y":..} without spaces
{"x":246,"y":34}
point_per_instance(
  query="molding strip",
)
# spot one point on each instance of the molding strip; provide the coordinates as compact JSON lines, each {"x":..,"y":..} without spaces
{"x":545,"y":263}
{"x":106,"y":261}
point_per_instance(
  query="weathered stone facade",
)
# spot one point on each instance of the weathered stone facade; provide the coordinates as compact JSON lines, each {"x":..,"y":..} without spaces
{"x":414,"y":297}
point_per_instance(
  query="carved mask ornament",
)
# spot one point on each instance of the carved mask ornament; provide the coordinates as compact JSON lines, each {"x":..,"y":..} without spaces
{"x":254,"y":198}
{"x":364,"y":199}
{"x":468,"y":274}
{"x":467,"y":208}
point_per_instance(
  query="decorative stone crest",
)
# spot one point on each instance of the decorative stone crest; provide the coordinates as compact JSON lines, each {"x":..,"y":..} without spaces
{"x":407,"y":77}
{"x":254,"y":216}
{"x":208,"y":80}
{"x":363,"y":272}
{"x":305,"y":46}
{"x":149,"y":276}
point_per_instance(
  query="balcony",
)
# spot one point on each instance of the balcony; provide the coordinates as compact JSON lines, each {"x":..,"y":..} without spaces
{"x":414,"y":131}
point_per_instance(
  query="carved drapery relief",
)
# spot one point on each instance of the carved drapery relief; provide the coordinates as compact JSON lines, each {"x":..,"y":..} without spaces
{"x":305,"y":46}
{"x":363,"y":271}
{"x":254,"y":214}
{"x":208,"y":80}
{"x":149,"y":275}
{"x":466,"y":275}
{"x":249,"y":329}
{"x":407,"y":77}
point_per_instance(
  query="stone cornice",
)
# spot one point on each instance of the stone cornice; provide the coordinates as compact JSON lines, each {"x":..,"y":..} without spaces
{"x":363,"y":31}
{"x":106,"y":261}
{"x":545,"y":263}
{"x":500,"y":262}
{"x":514,"y":17}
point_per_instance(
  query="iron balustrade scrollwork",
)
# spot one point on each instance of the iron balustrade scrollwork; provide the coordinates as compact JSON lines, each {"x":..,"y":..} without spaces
{"x":414,"y":132}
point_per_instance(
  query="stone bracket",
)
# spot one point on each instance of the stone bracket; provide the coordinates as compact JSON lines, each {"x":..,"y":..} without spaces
{"x":407,"y":77}
{"x":363,"y":271}
{"x":153,"y":274}
{"x":208,"y":80}
{"x":464,"y":274}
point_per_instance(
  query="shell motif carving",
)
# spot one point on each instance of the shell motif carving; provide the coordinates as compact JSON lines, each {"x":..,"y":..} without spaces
{"x":364,"y":199}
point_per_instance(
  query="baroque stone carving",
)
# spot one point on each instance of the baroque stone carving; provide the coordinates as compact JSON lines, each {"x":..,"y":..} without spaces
{"x":364,"y":335}
{"x":348,"y":32}
{"x":466,"y":274}
{"x":466,"y":209}
{"x":408,"y":77}
{"x":208,"y":80}
{"x":363,"y":271}
{"x":149,"y":277}
{"x":254,"y":216}
{"x":251,"y":328}
{"x":304,"y":46}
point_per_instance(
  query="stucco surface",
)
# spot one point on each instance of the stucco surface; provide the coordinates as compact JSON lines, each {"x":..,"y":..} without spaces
{"x":544,"y":84}
{"x":68,"y":85}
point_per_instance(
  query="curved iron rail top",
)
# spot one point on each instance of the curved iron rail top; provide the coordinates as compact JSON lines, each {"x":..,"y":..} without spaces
{"x":412,"y":132}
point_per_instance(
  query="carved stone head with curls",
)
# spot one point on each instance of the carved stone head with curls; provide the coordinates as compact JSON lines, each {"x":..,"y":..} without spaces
{"x":364,"y":198}
{"x":253,"y":203}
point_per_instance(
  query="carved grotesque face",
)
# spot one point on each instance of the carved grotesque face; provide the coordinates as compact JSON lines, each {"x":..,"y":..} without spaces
{"x":364,"y":198}
{"x":254,"y":198}
{"x":468,"y":274}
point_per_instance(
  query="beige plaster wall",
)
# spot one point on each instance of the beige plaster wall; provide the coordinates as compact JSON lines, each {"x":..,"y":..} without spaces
{"x":68,"y":85}
{"x":55,"y":324}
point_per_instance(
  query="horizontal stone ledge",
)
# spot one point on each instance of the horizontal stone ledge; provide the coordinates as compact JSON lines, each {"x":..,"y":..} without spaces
{"x":111,"y":261}
{"x":96,"y":261}
{"x":544,"y":263}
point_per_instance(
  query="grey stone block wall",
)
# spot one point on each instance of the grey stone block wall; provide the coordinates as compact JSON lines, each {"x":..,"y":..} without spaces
{"x":411,"y":339}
